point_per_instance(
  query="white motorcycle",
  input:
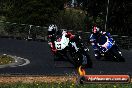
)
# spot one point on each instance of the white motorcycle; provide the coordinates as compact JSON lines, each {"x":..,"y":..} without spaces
{"x":75,"y":53}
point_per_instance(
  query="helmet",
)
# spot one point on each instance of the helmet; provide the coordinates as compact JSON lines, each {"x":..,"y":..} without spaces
{"x":95,"y":30}
{"x":52,"y":29}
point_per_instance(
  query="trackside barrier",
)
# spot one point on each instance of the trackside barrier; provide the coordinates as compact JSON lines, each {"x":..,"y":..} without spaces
{"x":39,"y":33}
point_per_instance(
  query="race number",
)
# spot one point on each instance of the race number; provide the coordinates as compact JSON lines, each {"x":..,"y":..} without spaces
{"x":58,"y":46}
{"x":62,"y":44}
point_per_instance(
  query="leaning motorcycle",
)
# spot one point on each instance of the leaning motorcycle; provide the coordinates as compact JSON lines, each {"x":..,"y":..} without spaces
{"x":75,"y":53}
{"x":108,"y":47}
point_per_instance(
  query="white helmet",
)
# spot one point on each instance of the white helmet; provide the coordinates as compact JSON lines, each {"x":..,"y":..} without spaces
{"x":52,"y":29}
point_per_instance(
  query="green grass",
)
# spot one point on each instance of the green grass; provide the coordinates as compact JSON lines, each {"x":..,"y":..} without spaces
{"x":63,"y":85}
{"x":4,"y":59}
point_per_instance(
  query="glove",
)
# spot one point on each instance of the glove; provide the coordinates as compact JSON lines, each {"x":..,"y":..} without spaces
{"x":53,"y":49}
{"x":50,"y":44}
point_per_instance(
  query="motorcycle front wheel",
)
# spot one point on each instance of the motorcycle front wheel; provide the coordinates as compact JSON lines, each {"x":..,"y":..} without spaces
{"x":75,"y":59}
{"x":117,"y":55}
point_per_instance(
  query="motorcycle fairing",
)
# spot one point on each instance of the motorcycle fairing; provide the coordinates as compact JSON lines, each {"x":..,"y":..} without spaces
{"x":59,"y":45}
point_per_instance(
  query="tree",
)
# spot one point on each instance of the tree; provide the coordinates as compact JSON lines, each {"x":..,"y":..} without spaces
{"x":36,"y":12}
{"x":118,"y":17}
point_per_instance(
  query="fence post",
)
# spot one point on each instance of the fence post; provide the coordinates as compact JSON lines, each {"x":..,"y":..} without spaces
{"x":29,"y":32}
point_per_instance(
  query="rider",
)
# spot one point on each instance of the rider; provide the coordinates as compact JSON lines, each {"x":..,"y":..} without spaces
{"x":95,"y":39}
{"x":53,"y":31}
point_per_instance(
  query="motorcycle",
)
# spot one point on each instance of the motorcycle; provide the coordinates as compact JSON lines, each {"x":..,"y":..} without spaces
{"x":109,"y":48}
{"x":75,"y":53}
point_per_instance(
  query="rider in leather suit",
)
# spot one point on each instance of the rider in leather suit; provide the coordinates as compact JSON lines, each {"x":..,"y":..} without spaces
{"x":95,"y":39}
{"x":53,"y":31}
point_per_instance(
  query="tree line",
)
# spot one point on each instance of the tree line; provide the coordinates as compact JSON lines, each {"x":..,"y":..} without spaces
{"x":83,"y":17}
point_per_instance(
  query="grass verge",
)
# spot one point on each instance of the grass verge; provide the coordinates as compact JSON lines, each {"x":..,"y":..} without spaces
{"x":63,"y":85}
{"x":51,"y":82}
{"x":5,"y":59}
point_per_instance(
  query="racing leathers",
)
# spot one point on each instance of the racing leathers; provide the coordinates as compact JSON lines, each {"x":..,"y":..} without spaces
{"x":51,"y":39}
{"x":95,"y":39}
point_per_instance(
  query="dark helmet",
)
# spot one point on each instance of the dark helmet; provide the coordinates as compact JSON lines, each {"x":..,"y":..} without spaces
{"x":52,"y":29}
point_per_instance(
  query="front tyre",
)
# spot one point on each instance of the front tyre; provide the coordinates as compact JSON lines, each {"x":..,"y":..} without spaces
{"x":117,"y":54}
{"x":89,"y":63}
{"x":75,"y":59}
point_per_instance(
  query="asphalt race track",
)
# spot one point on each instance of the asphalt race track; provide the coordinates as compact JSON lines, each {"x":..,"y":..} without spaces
{"x":41,"y":60}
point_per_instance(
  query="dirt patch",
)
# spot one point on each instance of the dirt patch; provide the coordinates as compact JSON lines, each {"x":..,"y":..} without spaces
{"x":31,"y":79}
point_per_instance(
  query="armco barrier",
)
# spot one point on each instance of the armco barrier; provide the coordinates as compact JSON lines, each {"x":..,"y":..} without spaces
{"x":39,"y":33}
